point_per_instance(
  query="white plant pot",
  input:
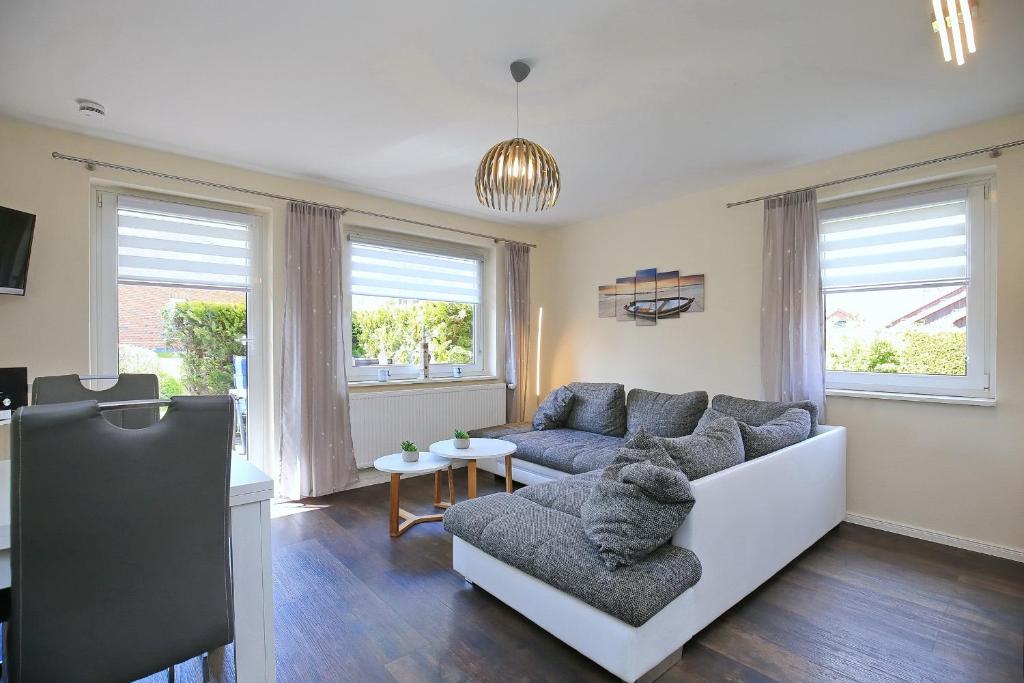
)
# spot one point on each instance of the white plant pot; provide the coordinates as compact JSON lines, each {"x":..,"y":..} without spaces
{"x":461,"y":443}
{"x":410,"y":456}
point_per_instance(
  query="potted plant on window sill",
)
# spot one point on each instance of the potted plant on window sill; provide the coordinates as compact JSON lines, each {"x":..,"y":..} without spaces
{"x":461,"y":439}
{"x":410,"y":451}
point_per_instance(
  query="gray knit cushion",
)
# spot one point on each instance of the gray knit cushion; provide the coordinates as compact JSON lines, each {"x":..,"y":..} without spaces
{"x":552,"y":546}
{"x":709,"y":416}
{"x":790,"y":427}
{"x":554,"y":410}
{"x":637,"y":504}
{"x":566,"y":450}
{"x":664,"y":414}
{"x":756,"y":413}
{"x":598,"y":408}
{"x":715,"y":445}
{"x":793,"y":426}
{"x":565,"y":495}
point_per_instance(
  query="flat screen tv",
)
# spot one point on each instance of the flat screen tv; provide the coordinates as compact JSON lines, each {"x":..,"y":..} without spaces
{"x":16,"y":229}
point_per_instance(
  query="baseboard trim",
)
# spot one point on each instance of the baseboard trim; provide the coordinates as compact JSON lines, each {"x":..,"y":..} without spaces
{"x":937,"y":537}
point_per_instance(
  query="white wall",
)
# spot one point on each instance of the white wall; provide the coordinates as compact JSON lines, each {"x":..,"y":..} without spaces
{"x":48,"y":329}
{"x":954,"y":469}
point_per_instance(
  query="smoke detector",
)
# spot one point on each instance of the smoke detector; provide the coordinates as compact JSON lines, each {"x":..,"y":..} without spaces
{"x":90,"y":108}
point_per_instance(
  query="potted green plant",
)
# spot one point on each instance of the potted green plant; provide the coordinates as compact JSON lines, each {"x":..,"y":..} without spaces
{"x":461,"y":439}
{"x":410,"y":451}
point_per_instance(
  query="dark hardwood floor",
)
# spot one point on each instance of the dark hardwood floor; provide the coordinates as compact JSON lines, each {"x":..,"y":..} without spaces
{"x":353,"y":604}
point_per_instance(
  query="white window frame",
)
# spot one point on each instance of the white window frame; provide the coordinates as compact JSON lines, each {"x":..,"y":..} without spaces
{"x":481,"y":313}
{"x":981,"y":319}
{"x":103,"y":295}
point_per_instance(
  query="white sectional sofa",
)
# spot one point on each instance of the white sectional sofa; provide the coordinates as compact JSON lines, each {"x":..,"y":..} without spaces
{"x":749,"y":521}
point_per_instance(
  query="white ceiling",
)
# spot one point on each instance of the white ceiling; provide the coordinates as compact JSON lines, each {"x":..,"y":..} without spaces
{"x":637,"y":100}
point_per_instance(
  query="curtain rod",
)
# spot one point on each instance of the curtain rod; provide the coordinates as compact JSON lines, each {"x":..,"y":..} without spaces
{"x":93,"y":163}
{"x":994,"y":150}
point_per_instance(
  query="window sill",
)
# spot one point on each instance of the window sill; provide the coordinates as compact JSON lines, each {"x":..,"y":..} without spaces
{"x":356,"y":384}
{"x":916,"y":398}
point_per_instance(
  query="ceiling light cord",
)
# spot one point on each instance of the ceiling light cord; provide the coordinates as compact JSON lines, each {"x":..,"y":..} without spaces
{"x":517,"y":108}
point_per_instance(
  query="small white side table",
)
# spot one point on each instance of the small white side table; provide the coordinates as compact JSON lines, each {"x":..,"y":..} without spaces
{"x":479,"y":449}
{"x":428,"y":462}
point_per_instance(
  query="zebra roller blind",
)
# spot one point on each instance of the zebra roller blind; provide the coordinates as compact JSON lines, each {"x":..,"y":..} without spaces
{"x":918,"y":239}
{"x":404,"y":274}
{"x":165,"y":243}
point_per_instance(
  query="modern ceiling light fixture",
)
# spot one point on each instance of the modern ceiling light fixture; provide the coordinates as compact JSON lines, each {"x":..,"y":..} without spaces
{"x":947,"y":24}
{"x":517,"y":174}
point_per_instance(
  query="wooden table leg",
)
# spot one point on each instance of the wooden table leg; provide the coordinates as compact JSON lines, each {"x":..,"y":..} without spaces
{"x":508,"y":474}
{"x":451,"y":486}
{"x":393,"y":518}
{"x":471,"y":475}
{"x":411,"y":520}
{"x":444,"y":504}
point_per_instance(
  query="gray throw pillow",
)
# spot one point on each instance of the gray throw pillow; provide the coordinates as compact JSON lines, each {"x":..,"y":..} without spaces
{"x":709,"y":416}
{"x":793,"y":426}
{"x":715,"y":445}
{"x":762,"y":439}
{"x":756,"y":413}
{"x":664,"y":414}
{"x":637,"y":504}
{"x":555,"y":409}
{"x":598,"y":408}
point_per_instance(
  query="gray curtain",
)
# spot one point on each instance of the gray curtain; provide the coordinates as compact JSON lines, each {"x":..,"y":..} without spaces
{"x":517,"y":328}
{"x":316,"y":455}
{"x":792,"y":345}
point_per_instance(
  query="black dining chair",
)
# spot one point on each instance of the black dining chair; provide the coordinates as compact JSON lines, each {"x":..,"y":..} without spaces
{"x":119,"y":557}
{"x":128,"y":387}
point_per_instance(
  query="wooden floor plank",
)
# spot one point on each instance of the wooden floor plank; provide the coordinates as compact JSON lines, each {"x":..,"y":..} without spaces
{"x":701,"y":664}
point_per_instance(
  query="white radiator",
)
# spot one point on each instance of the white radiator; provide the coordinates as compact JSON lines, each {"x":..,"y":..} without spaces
{"x":381,"y":420}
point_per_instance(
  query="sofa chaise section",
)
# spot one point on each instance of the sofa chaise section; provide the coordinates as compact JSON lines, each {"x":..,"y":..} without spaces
{"x":551,"y":545}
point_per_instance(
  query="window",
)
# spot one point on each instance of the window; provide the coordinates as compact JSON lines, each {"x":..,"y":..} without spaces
{"x":908,"y":293}
{"x":404,"y":292}
{"x":177,"y":295}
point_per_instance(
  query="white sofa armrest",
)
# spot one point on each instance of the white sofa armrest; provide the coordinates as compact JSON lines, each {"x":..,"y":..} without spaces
{"x":751,"y":520}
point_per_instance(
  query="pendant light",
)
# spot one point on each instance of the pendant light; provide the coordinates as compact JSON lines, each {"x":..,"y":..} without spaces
{"x":517,"y":174}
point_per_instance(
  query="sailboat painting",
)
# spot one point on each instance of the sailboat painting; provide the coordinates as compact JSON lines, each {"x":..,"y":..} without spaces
{"x":645,"y":303}
{"x":625,"y":292}
{"x":606,"y":301}
{"x":668,"y":289}
{"x":650,"y":296}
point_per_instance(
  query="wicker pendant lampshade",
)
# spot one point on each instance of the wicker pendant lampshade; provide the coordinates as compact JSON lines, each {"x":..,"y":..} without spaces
{"x":517,"y":174}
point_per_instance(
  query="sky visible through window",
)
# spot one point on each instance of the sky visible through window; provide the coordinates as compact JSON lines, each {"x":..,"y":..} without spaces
{"x":918,"y":330}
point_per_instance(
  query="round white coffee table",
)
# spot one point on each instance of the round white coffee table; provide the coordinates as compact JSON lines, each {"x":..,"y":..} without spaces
{"x":479,"y":449}
{"x":396,"y":466}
